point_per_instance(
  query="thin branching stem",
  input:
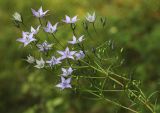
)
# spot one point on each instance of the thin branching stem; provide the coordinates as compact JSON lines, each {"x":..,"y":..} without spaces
{"x":113,"y":102}
{"x":73,"y":29}
{"x":94,"y":27}
{"x":102,"y":71}
{"x":118,"y":82}
{"x":57,"y":41}
{"x":144,"y":102}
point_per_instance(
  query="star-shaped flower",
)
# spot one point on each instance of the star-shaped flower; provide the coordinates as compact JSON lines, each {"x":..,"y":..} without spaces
{"x":26,"y":38}
{"x":30,"y":59}
{"x":67,"y":53}
{"x":69,"y":20}
{"x":35,"y":31}
{"x":39,"y":13}
{"x":45,"y":46}
{"x":49,"y":28}
{"x":17,"y":17}
{"x":65,"y":83}
{"x":53,"y":61}
{"x":67,"y":72}
{"x":80,"y":55}
{"x":75,"y":41}
{"x":91,"y":18}
{"x":40,"y":63}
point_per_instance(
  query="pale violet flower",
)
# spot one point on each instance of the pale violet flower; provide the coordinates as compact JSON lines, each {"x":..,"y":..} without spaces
{"x":67,"y":53}
{"x":30,"y":59}
{"x":40,"y":63}
{"x":53,"y":61}
{"x":26,"y":38}
{"x":40,"y":13}
{"x":17,"y":17}
{"x":67,"y":72}
{"x":49,"y":28}
{"x":91,"y":18}
{"x":45,"y":46}
{"x":69,"y":20}
{"x":79,"y":55}
{"x":65,"y":83}
{"x":35,"y":31}
{"x":75,"y":41}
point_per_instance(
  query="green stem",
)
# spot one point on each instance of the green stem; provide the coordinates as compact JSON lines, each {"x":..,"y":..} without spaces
{"x":57,"y":41}
{"x":149,"y":107}
{"x":104,"y":73}
{"x":94,"y":28}
{"x":73,"y":29}
{"x":40,"y":22}
{"x":113,"y":102}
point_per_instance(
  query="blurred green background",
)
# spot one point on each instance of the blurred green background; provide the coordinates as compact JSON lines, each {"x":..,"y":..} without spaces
{"x":135,"y":24}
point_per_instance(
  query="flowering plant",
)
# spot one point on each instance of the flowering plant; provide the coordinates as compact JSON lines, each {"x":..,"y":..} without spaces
{"x":81,"y":69}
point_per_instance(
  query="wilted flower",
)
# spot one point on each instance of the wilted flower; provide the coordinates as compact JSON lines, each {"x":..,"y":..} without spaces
{"x":35,"y":31}
{"x":17,"y":17}
{"x":75,"y":41}
{"x":67,"y":72}
{"x":50,"y":29}
{"x":30,"y":59}
{"x":69,"y":20}
{"x":45,"y":46}
{"x":65,"y":83}
{"x":53,"y":61}
{"x":91,"y":18}
{"x":80,"y":55}
{"x":26,"y":38}
{"x":67,"y":53}
{"x":40,"y":63}
{"x":39,"y":13}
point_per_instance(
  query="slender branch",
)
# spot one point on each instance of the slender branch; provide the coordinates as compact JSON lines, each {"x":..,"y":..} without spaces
{"x":116,"y":81}
{"x":149,"y":107}
{"x":102,"y":71}
{"x":40,"y":21}
{"x":57,"y":41}
{"x":113,"y":102}
{"x":94,"y":27}
{"x":73,"y":29}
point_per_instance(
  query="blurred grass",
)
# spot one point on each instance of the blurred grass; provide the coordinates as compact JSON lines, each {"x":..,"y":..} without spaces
{"x":133,"y":24}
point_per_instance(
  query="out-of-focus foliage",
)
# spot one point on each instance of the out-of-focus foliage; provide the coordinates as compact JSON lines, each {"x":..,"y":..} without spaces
{"x":133,"y":24}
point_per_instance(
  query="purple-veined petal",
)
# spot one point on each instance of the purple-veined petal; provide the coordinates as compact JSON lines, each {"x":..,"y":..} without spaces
{"x":34,"y":12}
{"x":40,"y":10}
{"x":55,"y":27}
{"x":61,"y":52}
{"x":68,"y":80}
{"x":68,"y":19}
{"x":62,"y":79}
{"x":74,"y":19}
